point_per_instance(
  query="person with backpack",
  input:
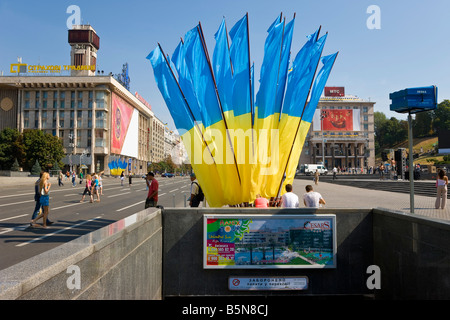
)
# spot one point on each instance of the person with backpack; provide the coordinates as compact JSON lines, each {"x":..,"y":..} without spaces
{"x":196,"y":192}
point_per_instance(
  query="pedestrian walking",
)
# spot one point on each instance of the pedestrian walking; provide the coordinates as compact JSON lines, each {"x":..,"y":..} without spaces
{"x":60,"y":179}
{"x":87,"y":189}
{"x":312,"y":199}
{"x":81,"y":177}
{"x":197,"y":195}
{"x":37,"y":198}
{"x":44,"y":190}
{"x":153,"y":186}
{"x":289,"y":199}
{"x":441,"y":190}
{"x":74,"y":176}
{"x":316,"y":177}
{"x":334,"y":172}
{"x":122,"y":176}
{"x":129,"y":179}
{"x":94,"y":187}
{"x":100,"y":182}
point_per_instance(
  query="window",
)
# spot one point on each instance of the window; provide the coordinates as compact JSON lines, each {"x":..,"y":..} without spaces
{"x":100,"y":119}
{"x":62,"y":104}
{"x":36,"y":119}
{"x":62,"y":95}
{"x":365,"y":109}
{"x":89,"y":119}
{"x":26,"y":121}
{"x":61,"y":119}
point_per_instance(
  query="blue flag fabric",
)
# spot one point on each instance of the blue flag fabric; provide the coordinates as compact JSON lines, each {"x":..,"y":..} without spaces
{"x":202,"y":79}
{"x":184,"y":79}
{"x":284,"y":64}
{"x":221,"y":64}
{"x":170,"y":91}
{"x":239,"y":52}
{"x":266,"y":96}
{"x":319,"y":84}
{"x":300,"y":80}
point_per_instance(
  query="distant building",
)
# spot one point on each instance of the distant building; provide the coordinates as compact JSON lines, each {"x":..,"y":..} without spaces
{"x":100,"y":122}
{"x":342,"y":132}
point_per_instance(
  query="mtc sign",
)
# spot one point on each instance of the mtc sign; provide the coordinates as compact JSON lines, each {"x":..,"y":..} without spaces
{"x":414,"y":100}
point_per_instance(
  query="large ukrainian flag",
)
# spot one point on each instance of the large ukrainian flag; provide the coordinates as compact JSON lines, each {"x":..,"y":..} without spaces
{"x":239,"y":146}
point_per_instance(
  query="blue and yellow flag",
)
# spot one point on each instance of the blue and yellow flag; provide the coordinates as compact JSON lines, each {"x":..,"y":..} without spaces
{"x":240,"y":146}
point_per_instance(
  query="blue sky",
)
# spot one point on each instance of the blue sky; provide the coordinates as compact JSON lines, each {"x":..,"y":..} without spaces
{"x":411,"y":48}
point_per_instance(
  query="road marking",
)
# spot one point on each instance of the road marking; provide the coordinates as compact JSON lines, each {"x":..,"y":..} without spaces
{"x":119,"y":194}
{"x":131,"y":205}
{"x":173,"y":190}
{"x":71,"y":194}
{"x":56,"y":232}
{"x":22,"y":215}
{"x":10,"y":204}
{"x":69,"y":205}
{"x":159,"y":195}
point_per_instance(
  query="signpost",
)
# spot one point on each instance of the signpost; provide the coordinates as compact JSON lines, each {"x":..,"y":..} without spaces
{"x":413,"y":100}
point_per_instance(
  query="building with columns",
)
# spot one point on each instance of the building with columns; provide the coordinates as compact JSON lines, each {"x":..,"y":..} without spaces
{"x":341,"y":133}
{"x":100,"y":122}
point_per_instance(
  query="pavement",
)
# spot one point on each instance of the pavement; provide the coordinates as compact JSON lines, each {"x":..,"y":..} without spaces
{"x":336,"y":196}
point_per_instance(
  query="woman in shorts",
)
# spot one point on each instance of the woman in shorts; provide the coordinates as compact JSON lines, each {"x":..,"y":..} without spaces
{"x":87,"y":189}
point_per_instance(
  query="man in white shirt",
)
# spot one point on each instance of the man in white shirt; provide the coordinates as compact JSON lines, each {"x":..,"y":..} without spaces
{"x":311,"y":198}
{"x":289,"y":199}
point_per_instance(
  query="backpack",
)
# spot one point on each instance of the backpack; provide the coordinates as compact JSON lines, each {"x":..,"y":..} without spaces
{"x":200,"y":194}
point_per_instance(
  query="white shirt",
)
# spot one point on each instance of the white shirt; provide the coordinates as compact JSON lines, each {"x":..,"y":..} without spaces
{"x":289,"y":200}
{"x":312,"y":199}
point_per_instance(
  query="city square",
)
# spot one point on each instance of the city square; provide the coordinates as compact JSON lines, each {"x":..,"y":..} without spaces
{"x":192,"y":153}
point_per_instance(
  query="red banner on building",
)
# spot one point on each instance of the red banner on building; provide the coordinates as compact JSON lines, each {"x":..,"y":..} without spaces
{"x":338,"y":120}
{"x":121,"y":116}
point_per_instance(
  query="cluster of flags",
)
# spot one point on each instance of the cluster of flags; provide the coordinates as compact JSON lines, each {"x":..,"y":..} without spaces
{"x":241,"y":144}
{"x":117,"y":165}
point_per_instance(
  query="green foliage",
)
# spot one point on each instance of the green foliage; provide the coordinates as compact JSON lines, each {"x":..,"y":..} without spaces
{"x":36,"y":169}
{"x":15,"y":166}
{"x":10,"y":149}
{"x":29,"y":147}
{"x":389,"y":132}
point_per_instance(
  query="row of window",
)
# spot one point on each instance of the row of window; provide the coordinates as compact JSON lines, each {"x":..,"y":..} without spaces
{"x":364,"y":109}
{"x":100,"y":119}
{"x":59,"y":100}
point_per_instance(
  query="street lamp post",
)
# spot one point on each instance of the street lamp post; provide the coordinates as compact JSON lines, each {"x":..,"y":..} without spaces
{"x":323,"y":115}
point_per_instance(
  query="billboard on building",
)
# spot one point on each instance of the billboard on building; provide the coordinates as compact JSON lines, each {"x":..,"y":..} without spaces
{"x":334,"y":91}
{"x":337,"y":120}
{"x":124,"y":128}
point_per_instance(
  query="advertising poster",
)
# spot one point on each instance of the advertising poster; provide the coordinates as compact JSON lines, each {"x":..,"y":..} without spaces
{"x":124,"y":128}
{"x":337,"y":120}
{"x":269,"y":241}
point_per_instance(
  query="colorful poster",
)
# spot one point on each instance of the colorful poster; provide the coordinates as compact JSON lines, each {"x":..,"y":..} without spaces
{"x":121,"y":117}
{"x":269,"y":241}
{"x":338,"y":120}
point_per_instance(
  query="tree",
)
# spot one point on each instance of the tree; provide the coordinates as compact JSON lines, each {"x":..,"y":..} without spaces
{"x":36,"y":169}
{"x":441,"y":116}
{"x":15,"y":166}
{"x":10,"y":148}
{"x":423,"y":124}
{"x":43,"y":147}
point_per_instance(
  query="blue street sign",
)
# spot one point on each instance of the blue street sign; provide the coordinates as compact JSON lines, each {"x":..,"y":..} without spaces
{"x":414,"y":100}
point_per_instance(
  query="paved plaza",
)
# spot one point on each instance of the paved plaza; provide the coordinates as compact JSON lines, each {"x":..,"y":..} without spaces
{"x":335,"y":195}
{"x":339,"y":196}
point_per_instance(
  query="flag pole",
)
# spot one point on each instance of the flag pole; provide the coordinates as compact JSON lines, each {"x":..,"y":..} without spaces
{"x":205,"y":51}
{"x":185,"y":100}
{"x":252,"y":111}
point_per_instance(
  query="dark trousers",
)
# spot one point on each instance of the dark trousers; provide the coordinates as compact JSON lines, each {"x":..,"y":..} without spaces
{"x":150,"y":203}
